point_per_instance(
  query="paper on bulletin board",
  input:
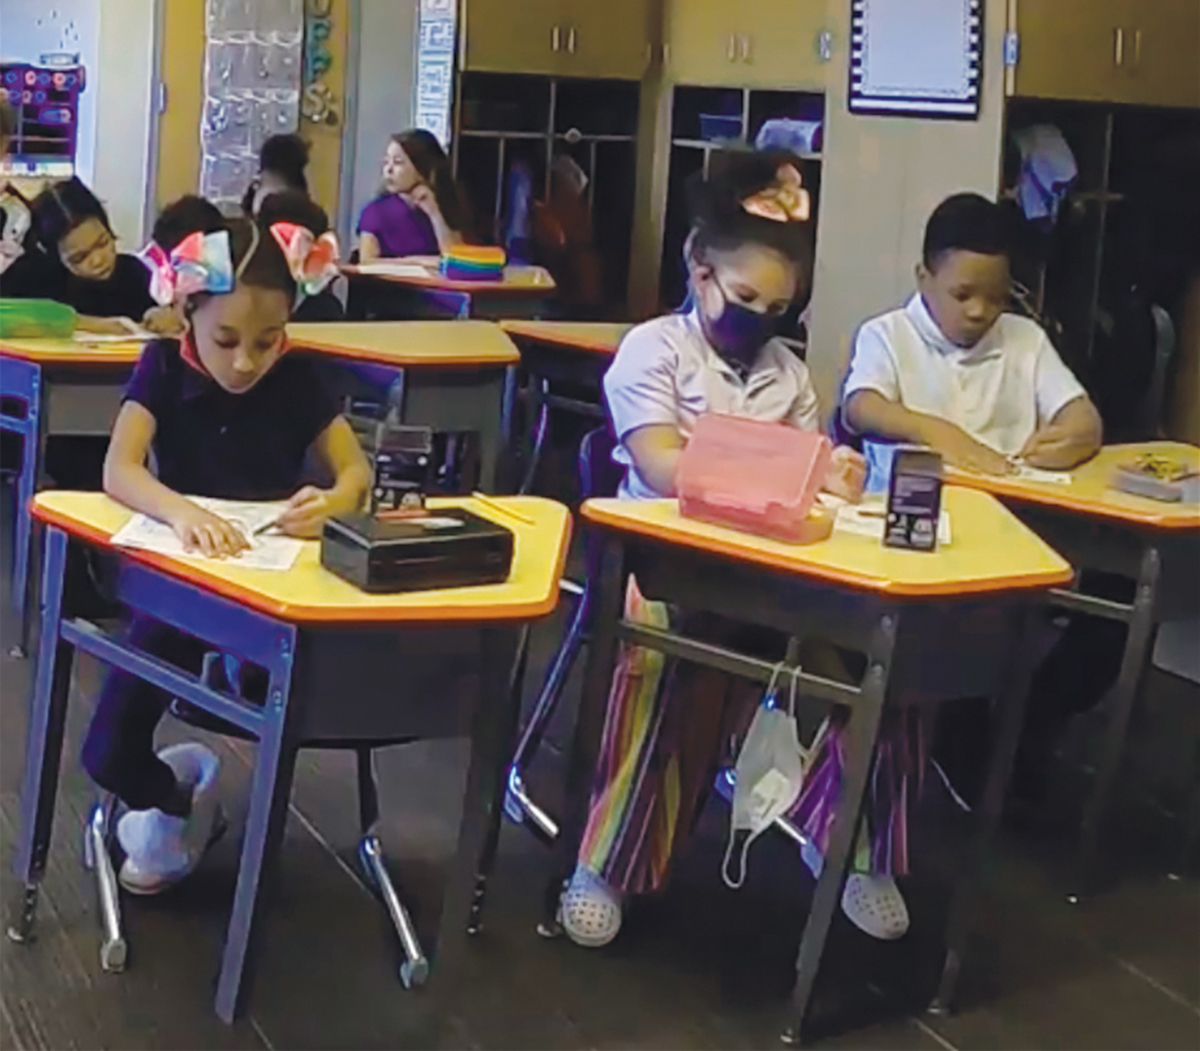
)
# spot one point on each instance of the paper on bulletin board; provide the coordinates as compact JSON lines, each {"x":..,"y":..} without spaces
{"x":919,"y":58}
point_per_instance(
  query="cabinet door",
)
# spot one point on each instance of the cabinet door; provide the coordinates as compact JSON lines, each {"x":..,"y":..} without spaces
{"x":777,"y":43}
{"x":1070,"y":49}
{"x":606,"y":38}
{"x":1162,"y":53}
{"x":702,"y":41}
{"x":526,"y":36}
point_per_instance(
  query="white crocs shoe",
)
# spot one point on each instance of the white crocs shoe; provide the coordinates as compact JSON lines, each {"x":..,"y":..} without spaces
{"x":875,"y":906}
{"x":589,"y":910}
{"x":160,"y":849}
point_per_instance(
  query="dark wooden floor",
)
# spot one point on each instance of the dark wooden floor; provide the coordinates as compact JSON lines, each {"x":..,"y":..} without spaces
{"x":700,"y":967}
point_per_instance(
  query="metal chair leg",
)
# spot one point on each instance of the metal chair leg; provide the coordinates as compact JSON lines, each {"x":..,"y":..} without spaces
{"x":414,"y":970}
{"x":517,"y":803}
{"x":113,"y":947}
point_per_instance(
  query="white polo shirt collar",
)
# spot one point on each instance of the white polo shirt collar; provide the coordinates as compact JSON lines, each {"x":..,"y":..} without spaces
{"x":918,"y":313}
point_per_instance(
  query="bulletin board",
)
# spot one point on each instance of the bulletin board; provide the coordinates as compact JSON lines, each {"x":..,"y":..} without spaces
{"x":917,"y":58}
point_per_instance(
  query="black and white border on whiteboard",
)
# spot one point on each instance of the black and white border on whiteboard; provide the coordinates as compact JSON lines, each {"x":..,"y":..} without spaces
{"x":960,"y":105}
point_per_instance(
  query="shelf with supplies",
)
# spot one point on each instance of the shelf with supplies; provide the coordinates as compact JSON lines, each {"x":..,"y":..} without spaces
{"x":707,"y":120}
{"x":569,"y":145}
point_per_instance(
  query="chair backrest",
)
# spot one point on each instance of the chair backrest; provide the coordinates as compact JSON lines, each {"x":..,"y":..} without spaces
{"x":599,"y":475}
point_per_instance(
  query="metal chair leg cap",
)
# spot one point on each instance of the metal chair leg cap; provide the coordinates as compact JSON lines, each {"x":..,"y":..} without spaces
{"x":414,"y":973}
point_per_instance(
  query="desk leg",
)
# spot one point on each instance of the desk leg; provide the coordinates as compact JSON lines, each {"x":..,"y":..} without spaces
{"x":491,"y":839}
{"x":539,"y":410}
{"x":861,"y":733}
{"x":492,"y":730}
{"x":1011,"y":701}
{"x":1133,"y":667}
{"x":270,"y":791}
{"x":43,"y":749}
{"x":608,"y":586}
{"x":32,"y":449}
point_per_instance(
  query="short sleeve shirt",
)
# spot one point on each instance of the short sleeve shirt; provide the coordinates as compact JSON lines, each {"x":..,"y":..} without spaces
{"x":666,"y":372}
{"x":400,"y":228}
{"x":208,"y":442}
{"x":1000,"y":391}
{"x":125,"y":294}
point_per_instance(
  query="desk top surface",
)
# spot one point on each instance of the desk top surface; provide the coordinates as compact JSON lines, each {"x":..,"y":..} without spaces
{"x":71,"y":351}
{"x":409,"y":343}
{"x":517,"y":280}
{"x":990,"y":550}
{"x":307,"y":593}
{"x":1089,"y":492}
{"x":598,"y":337}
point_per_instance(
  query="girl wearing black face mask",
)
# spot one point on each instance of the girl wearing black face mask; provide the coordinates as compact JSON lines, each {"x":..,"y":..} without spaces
{"x":748,"y":255}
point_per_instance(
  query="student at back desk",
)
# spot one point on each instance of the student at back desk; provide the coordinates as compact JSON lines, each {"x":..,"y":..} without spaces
{"x":985,"y":388}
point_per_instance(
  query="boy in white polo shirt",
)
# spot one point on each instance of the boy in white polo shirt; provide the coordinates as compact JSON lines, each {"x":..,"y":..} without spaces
{"x":985,"y":388}
{"x":953,"y":371}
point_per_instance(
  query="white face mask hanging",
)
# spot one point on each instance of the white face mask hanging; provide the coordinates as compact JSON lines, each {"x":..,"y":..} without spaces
{"x":768,"y":775}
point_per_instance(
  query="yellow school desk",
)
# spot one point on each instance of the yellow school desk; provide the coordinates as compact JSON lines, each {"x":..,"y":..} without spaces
{"x":1098,"y":528}
{"x":449,"y":375}
{"x":343,"y":666}
{"x":565,"y":362}
{"x":53,"y":386}
{"x":934,"y":626}
{"x":412,"y":287}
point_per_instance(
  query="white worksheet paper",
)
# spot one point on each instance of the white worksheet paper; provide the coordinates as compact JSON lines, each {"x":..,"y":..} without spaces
{"x":1035,"y":474}
{"x":271,"y":552}
{"x":395,"y":270}
{"x":134,"y":333}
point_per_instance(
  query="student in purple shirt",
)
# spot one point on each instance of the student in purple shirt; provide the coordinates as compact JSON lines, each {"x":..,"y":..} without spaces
{"x":420,"y":210}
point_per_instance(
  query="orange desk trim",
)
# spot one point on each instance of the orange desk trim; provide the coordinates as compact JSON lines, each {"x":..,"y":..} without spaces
{"x":796,"y":560}
{"x":598,"y":337}
{"x":433,"y":612}
{"x":518,"y":281}
{"x":442,"y":343}
{"x":1089,"y":493}
{"x":70,"y":352}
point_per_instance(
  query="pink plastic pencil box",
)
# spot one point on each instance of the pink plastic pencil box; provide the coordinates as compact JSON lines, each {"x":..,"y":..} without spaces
{"x":755,"y":476}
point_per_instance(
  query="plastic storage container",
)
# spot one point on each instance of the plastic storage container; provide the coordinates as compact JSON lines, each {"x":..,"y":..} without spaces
{"x":717,"y":127}
{"x":36,"y":319}
{"x":755,"y":476}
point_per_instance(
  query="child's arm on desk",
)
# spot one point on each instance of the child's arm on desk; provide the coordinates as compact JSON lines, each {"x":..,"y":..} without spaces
{"x":308,"y":509}
{"x":1074,"y":435}
{"x":869,"y":412}
{"x":127,"y":480}
{"x":656,"y":449}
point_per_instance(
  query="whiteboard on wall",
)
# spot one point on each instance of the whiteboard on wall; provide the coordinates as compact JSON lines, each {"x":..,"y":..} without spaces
{"x":917,"y":58}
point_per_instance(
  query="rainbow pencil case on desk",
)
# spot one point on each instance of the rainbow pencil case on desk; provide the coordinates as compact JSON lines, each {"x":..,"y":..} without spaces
{"x":757,"y":477}
{"x":473,"y":263}
{"x":1159,"y":478}
{"x":36,"y":319}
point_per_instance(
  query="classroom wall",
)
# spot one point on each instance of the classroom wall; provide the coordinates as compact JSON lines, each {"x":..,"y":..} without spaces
{"x":31,"y":28}
{"x":325,"y":140}
{"x":881,"y":178}
{"x":182,"y":75}
{"x":124,"y":115}
{"x":384,"y":96}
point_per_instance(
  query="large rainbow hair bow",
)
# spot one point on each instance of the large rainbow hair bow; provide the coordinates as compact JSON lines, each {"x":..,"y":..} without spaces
{"x":785,"y":200}
{"x":199,"y":263}
{"x":313,"y":261}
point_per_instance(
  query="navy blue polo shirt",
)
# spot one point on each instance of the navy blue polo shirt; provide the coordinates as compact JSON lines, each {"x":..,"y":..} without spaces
{"x":209,"y":442}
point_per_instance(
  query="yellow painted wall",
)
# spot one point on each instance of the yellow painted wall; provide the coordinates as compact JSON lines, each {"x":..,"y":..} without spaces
{"x":325,"y":160}
{"x":182,"y":73}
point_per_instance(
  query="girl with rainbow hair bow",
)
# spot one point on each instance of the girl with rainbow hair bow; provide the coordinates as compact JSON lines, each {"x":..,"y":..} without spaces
{"x":227,"y":413}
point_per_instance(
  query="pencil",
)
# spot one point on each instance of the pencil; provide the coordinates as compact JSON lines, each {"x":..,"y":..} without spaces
{"x":501,"y":509}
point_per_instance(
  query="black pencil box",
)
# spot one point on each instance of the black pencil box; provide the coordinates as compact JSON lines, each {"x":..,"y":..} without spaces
{"x":444,"y":549}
